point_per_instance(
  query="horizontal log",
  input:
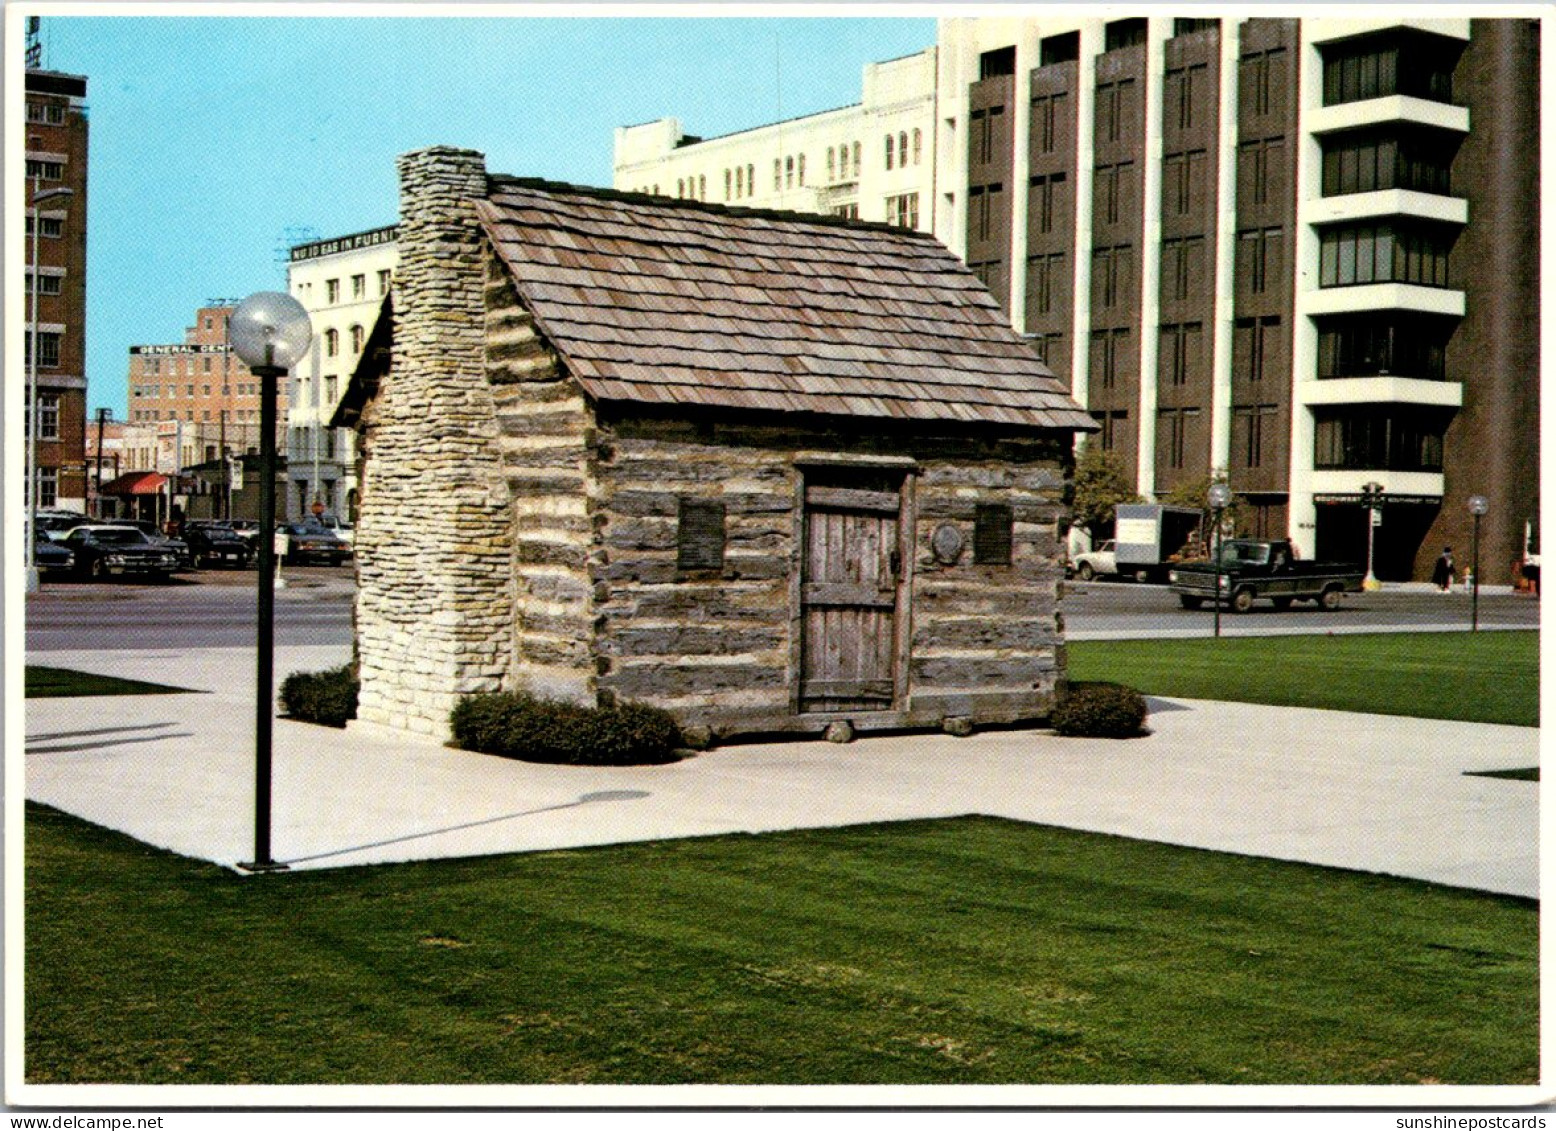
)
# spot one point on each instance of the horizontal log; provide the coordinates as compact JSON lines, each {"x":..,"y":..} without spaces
{"x":854,"y":499}
{"x":637,"y":502}
{"x":658,"y":680}
{"x":673,"y":641}
{"x":826,"y":594}
{"x":846,"y":689}
{"x":1002,"y":673}
{"x":991,"y":633}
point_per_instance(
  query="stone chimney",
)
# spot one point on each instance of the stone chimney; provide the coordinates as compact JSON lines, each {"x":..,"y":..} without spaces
{"x":434,"y":549}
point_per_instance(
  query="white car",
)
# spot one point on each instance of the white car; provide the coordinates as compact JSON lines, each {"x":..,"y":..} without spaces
{"x":1100,"y":562}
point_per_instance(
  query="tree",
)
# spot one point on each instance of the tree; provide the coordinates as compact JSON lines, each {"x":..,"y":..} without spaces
{"x":1101,"y":483}
{"x":1196,"y":493}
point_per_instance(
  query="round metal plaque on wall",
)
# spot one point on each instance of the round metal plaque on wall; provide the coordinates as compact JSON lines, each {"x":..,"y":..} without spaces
{"x":947,"y":542}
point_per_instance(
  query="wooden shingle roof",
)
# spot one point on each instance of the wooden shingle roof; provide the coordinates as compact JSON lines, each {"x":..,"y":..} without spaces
{"x":667,"y":302}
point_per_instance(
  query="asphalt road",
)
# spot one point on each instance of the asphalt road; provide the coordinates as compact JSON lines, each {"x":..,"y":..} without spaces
{"x":215,"y":609}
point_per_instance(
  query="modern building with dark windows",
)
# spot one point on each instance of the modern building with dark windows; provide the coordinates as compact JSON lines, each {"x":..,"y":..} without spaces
{"x":56,"y":159}
{"x":1300,"y":253}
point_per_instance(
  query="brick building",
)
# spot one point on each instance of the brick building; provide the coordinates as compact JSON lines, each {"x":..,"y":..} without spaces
{"x":202,"y":385}
{"x":56,"y":155}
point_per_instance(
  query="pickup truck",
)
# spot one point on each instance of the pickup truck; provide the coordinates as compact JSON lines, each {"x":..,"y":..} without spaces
{"x":1253,"y":570}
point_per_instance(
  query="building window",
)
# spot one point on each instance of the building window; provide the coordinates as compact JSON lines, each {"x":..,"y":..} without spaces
{"x":1374,"y":345}
{"x":750,"y":180}
{"x":858,"y":162}
{"x":1000,"y":61}
{"x":1112,"y":270}
{"x":1111,"y":186}
{"x":903,"y":210}
{"x":1261,"y":169}
{"x":359,"y":286}
{"x":1261,"y":78}
{"x":1047,"y":116}
{"x":1124,"y":33}
{"x":1181,"y":85}
{"x":1378,"y":439}
{"x":1047,"y":200}
{"x":1181,"y":175}
{"x":1189,"y":27}
{"x":702,"y":186}
{"x":1046,"y":277}
{"x":983,"y":215}
{"x":802,"y":171}
{"x":1114,"y":428}
{"x":331,"y":343}
{"x":889,"y":142}
{"x":1173,"y":426}
{"x":1418,"y":65}
{"x":1182,"y":267}
{"x":700,"y":535}
{"x":831,"y":163}
{"x":1260,"y":258}
{"x":843,"y":162}
{"x":46,"y":284}
{"x":1063,"y":48}
{"x":332,"y":290}
{"x":48,"y":486}
{"x":49,"y":227}
{"x":330,"y":386}
{"x":45,"y":170}
{"x":48,"y":416}
{"x":985,"y":128}
{"x":383,"y":282}
{"x":356,"y":339}
{"x":1114,"y":101}
{"x":1250,"y":426}
{"x":777,"y":174}
{"x":1358,"y":254}
{"x":1108,"y":350}
{"x":993,"y":533}
{"x":1252,"y":340}
{"x":1180,"y":352}
{"x":1371,"y":162}
{"x":48,"y":347}
{"x":847,"y":211}
{"x":918,"y":145}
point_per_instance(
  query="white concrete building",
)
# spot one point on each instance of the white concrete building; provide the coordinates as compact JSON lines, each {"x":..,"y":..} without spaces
{"x":341,"y":283}
{"x":870,"y":161}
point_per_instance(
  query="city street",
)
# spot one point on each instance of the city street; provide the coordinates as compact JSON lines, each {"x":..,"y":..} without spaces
{"x":215,"y":609}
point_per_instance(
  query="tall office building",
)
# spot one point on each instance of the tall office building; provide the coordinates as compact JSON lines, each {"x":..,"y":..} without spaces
{"x":342,"y":283}
{"x":1302,"y":253}
{"x":56,"y":155}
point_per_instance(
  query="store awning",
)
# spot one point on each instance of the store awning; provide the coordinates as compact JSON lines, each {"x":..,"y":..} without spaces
{"x":135,"y":483}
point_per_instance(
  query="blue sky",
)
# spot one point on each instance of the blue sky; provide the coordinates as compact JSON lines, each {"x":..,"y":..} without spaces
{"x":212,"y":137}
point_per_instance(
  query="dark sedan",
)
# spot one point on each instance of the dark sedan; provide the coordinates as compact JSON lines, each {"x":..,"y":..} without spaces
{"x":305,"y":543}
{"x":112,"y":551}
{"x":52,"y":558}
{"x":215,"y":543}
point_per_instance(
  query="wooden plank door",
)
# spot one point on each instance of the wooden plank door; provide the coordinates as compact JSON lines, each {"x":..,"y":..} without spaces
{"x":849,"y":597}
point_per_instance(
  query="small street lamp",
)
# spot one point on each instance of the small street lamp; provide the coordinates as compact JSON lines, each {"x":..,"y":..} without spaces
{"x":1220,"y":497}
{"x":1478,"y":506}
{"x":269,"y":331}
{"x":1372,"y":500}
{"x":39,"y":195}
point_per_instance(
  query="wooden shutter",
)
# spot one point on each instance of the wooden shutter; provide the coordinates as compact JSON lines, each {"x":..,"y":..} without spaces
{"x":700,"y":537}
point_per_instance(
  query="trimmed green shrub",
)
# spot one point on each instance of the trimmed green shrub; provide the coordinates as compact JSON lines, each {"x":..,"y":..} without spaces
{"x":1100,"y":710}
{"x":328,"y":697}
{"x":533,"y":729}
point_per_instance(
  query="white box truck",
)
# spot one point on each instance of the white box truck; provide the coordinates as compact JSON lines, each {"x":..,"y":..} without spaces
{"x":1148,"y":537}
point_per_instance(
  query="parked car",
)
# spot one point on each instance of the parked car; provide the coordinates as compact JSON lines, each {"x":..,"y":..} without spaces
{"x":1253,"y":569}
{"x":110,"y":551}
{"x":179,"y":547}
{"x":215,"y":543}
{"x":342,"y":530}
{"x":309,"y":543}
{"x":1100,"y":562}
{"x":245,"y":528}
{"x":51,"y":557}
{"x":54,"y":525}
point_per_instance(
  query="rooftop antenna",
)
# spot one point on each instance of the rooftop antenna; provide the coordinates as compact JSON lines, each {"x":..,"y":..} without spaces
{"x":294,"y":235}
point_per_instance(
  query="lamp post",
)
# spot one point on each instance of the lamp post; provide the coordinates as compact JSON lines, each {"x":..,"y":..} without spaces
{"x":1372,"y":501}
{"x":1220,"y":497}
{"x":39,"y":195}
{"x":270,"y":331}
{"x":1478,"y":506}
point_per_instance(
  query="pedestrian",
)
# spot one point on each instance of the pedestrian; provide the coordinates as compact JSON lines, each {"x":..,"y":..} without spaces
{"x":1442,"y":572}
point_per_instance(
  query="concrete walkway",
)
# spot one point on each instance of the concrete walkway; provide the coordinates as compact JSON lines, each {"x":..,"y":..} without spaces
{"x":1373,"y":793}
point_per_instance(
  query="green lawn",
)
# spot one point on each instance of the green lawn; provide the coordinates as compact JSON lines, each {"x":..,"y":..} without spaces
{"x":1487,"y":677}
{"x":50,"y":683}
{"x":966,"y":951}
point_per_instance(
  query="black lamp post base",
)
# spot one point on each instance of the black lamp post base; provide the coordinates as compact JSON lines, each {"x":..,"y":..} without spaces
{"x":259,"y":869}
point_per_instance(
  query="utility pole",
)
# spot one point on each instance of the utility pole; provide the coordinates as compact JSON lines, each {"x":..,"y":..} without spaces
{"x":102,"y":416}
